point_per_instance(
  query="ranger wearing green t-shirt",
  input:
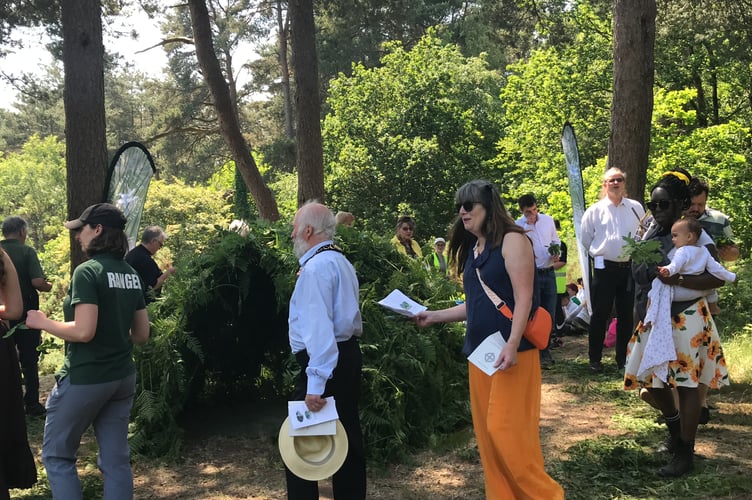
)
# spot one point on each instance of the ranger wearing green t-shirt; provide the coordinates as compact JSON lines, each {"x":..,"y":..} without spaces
{"x":115,"y":288}
{"x":104,"y":316}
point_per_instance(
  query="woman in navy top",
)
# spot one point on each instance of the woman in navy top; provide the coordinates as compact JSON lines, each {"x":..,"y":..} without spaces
{"x":505,"y":405}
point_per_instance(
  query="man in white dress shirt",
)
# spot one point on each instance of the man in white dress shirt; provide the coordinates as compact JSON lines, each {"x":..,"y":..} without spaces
{"x":324,"y":326}
{"x":603,"y":227}
{"x":541,"y":229}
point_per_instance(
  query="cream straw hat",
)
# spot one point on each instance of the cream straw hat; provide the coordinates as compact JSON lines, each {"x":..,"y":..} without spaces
{"x":312,"y":457}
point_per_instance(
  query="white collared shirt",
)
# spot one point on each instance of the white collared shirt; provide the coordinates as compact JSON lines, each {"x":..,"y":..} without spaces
{"x":604,"y":226}
{"x":542,"y":234}
{"x":324,"y":310}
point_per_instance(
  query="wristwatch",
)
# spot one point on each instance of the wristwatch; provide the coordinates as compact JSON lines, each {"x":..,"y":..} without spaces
{"x":680,"y":282}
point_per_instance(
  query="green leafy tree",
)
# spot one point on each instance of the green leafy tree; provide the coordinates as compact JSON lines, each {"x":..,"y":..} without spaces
{"x":406,"y":135}
{"x":707,"y":46}
{"x":510,"y":30}
{"x":33,"y":185}
{"x":720,"y":153}
{"x":355,"y":32}
{"x":553,"y":86}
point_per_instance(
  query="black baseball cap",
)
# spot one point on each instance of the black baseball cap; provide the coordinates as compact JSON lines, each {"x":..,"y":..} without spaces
{"x":101,"y":213}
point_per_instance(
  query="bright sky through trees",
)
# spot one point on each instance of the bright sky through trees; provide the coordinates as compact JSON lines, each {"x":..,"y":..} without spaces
{"x":34,"y":57}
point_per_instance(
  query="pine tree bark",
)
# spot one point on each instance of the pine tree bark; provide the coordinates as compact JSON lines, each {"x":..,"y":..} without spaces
{"x":309,"y":152}
{"x":283,"y":28}
{"x":226,"y":111}
{"x":85,"y":138}
{"x":632,"y":105}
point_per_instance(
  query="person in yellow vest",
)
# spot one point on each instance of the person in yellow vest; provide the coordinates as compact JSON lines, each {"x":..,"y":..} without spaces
{"x":403,"y":241}
{"x":560,"y":271}
{"x":436,"y":259}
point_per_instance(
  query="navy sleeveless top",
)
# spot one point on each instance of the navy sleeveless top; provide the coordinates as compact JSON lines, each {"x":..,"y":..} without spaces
{"x":483,"y":319}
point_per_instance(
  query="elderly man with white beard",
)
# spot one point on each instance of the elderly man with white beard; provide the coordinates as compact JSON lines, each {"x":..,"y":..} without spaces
{"x":324,"y":326}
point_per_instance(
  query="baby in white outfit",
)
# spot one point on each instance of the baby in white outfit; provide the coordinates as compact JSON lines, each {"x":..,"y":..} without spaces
{"x":690,"y":258}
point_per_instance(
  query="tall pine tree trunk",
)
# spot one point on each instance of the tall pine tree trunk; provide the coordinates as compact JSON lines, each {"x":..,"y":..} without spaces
{"x":632,"y":105}
{"x":226,"y":111}
{"x":283,"y":27}
{"x":85,"y":139}
{"x":309,"y":151}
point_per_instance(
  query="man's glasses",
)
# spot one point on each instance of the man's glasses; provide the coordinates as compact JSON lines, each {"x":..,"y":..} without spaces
{"x":658,"y":205}
{"x":161,"y":243}
{"x":467,"y":205}
{"x":615,"y":180}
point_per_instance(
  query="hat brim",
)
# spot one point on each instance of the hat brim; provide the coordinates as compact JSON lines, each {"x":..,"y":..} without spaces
{"x":74,"y":224}
{"x":313,"y":469}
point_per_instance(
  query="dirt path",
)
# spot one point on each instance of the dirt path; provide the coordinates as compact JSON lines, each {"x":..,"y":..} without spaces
{"x":234,"y":456}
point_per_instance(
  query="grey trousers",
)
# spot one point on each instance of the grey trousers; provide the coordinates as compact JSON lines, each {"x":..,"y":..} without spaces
{"x":70,"y":411}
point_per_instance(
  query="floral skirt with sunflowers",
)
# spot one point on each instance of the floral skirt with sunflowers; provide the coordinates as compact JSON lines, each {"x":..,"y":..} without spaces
{"x":699,"y":355}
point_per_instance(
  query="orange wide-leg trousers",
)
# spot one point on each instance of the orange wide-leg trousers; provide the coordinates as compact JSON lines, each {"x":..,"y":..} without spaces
{"x":506,"y":414}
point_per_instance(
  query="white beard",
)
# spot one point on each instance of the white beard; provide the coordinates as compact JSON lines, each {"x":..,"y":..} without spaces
{"x":300,"y":246}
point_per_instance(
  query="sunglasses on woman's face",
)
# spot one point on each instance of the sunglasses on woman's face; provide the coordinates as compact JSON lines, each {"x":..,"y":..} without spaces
{"x":467,"y":206}
{"x":658,"y":205}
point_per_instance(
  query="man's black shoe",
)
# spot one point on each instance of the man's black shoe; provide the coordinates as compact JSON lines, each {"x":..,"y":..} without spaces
{"x":596,"y":366}
{"x":35,"y":410}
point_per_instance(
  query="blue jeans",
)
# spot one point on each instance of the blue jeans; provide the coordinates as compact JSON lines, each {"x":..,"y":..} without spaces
{"x":70,"y":411}
{"x":548,"y":296}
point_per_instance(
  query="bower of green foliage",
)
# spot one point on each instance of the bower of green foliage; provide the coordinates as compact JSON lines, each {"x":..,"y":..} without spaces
{"x":221,"y":336}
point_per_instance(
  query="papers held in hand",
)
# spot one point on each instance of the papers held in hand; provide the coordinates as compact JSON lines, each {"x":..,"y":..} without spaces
{"x":304,"y":422}
{"x":401,"y":303}
{"x":485,"y":355}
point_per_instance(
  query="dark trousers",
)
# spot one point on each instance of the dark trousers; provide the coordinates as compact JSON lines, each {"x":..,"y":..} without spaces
{"x":611,"y":288}
{"x":349,"y":483}
{"x":27,"y":342}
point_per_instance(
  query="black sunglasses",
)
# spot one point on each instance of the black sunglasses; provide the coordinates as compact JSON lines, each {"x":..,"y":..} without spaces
{"x":467,"y":205}
{"x":658,"y":205}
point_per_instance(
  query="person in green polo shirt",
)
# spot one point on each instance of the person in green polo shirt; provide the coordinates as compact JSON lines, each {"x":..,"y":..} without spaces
{"x":104,"y":315}
{"x":31,"y":279}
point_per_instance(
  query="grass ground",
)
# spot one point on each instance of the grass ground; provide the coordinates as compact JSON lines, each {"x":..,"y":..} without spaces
{"x":598,"y":443}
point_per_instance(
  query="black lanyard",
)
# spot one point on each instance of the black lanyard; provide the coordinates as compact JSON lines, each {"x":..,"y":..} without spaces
{"x":330,"y":246}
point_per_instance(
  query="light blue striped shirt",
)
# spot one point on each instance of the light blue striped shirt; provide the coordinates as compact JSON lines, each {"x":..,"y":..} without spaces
{"x":324,"y":310}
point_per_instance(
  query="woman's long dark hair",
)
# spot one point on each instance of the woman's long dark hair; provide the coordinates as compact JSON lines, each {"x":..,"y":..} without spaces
{"x":497,"y":224}
{"x":110,"y":241}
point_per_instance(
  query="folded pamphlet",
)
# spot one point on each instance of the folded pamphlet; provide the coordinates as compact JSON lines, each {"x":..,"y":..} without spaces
{"x":400,"y":303}
{"x":485,"y":355}
{"x":301,"y":417}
